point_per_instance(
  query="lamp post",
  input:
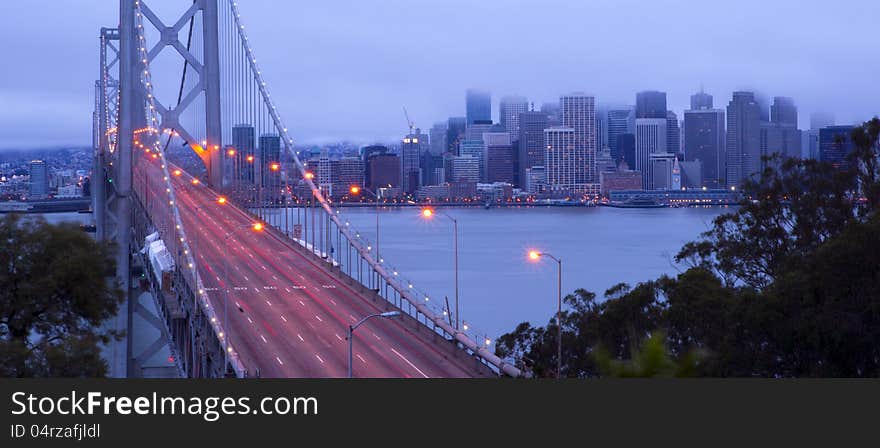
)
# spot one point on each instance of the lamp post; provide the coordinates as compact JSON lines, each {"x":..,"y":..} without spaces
{"x":535,"y":256}
{"x":257,"y":227}
{"x":351,"y":328}
{"x":356,"y":190}
{"x":429,"y":213}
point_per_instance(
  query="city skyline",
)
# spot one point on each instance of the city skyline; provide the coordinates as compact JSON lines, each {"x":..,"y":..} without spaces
{"x":350,"y":60}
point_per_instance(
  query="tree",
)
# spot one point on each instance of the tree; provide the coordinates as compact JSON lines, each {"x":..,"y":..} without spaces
{"x":786,"y":285}
{"x":54,"y":296}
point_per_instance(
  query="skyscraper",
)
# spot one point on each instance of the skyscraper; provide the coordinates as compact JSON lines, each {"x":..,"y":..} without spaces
{"x":384,"y":171}
{"x":818,"y":120}
{"x":626,"y":145}
{"x":743,"y":138}
{"x":411,"y":149}
{"x":579,"y":114}
{"x":564,"y":169}
{"x":438,"y":138}
{"x":673,"y":133}
{"x":835,"y":143}
{"x":465,"y":169}
{"x":473,"y":149}
{"x":531,"y":142}
{"x":620,"y":121}
{"x":455,"y":129}
{"x":650,"y":139}
{"x":244,"y":143}
{"x":784,"y":112}
{"x":554,"y":117}
{"x":39,"y":180}
{"x":508,"y":114}
{"x":478,"y":105}
{"x":701,"y":100}
{"x":651,"y":104}
{"x":499,"y":158}
{"x":704,"y":142}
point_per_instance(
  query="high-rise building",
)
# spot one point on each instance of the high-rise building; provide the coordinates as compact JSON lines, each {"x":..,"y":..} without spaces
{"x":499,"y":158}
{"x":663,"y":172}
{"x":554,"y":116}
{"x":531,"y":142}
{"x":478,"y":104}
{"x":39,"y":180}
{"x":368,"y":153}
{"x":835,"y":143}
{"x":673,"y":133}
{"x":347,"y":172}
{"x":244,"y":143}
{"x":818,"y":120}
{"x":325,"y":173}
{"x":473,"y":149}
{"x":601,"y":128}
{"x":783,"y":112}
{"x":476,"y":130}
{"x":651,"y":104}
{"x":564,"y":167}
{"x":455,"y":129}
{"x":626,"y":145}
{"x":465,"y":169}
{"x":701,"y":100}
{"x":620,"y":121}
{"x":411,"y":149}
{"x":650,"y":139}
{"x":270,"y":153}
{"x":432,"y":168}
{"x":438,"y":138}
{"x":704,"y":142}
{"x":384,"y":171}
{"x":743,"y":138}
{"x":509,"y":110}
{"x":579,"y":114}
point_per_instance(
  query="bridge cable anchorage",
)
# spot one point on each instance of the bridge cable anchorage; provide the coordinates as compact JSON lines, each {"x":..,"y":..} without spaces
{"x":153,"y":133}
{"x":467,"y":339}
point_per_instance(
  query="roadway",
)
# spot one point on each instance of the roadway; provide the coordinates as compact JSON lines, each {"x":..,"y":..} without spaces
{"x":288,"y":316}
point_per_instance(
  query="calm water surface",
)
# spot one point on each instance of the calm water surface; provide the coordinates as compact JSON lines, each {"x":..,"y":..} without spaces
{"x":499,"y":286}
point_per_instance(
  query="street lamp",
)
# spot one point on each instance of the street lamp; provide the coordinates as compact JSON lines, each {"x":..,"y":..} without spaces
{"x":429,"y":213}
{"x":535,"y":256}
{"x":356,"y":190}
{"x":351,"y":328}
{"x":256,"y":227}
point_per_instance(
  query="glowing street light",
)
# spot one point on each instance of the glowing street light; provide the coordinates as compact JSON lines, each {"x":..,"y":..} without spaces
{"x":250,"y":159}
{"x":178,"y":173}
{"x":195,"y":181}
{"x":231,"y":152}
{"x":536,"y":256}
{"x":309,"y":175}
{"x":429,"y":213}
{"x":221,"y":200}
{"x":275,"y":166}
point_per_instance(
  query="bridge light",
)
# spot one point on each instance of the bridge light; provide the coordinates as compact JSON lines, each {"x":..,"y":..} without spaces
{"x":275,"y":167}
{"x":355,"y":189}
{"x":427,"y":213}
{"x":195,"y":181}
{"x":250,"y":158}
{"x":258,"y":227}
{"x":178,"y":173}
{"x":309,"y":175}
{"x":534,"y":255}
{"x":231,"y":152}
{"x":221,"y":200}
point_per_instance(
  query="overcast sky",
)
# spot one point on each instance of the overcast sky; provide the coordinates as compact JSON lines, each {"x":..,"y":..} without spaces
{"x":344,"y":69}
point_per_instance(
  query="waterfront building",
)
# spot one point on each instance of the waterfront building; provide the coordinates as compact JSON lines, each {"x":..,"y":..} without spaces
{"x":704,"y":141}
{"x":39,"y":180}
{"x":835,"y":143}
{"x":743,"y":138}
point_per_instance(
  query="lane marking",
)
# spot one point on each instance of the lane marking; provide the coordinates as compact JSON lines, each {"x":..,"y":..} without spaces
{"x":249,"y":320}
{"x":300,"y":337}
{"x":319,"y":318}
{"x":279,"y":360}
{"x":377,"y":336}
{"x":339,"y":337}
{"x":287,"y":289}
{"x":264,"y":339}
{"x":283,"y":318}
{"x":333,"y":302}
{"x":361,"y":358}
{"x":270,"y":303}
{"x":410,"y":364}
{"x":322,"y":361}
{"x":246,"y":279}
{"x":301,"y":303}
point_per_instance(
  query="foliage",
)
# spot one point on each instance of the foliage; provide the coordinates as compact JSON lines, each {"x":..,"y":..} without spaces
{"x":54,"y":296}
{"x":787,"y":285}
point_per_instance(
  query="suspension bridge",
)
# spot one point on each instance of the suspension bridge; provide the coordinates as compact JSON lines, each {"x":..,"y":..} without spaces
{"x":249,"y":269}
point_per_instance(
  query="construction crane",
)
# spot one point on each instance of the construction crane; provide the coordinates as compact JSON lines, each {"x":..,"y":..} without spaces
{"x":409,"y":122}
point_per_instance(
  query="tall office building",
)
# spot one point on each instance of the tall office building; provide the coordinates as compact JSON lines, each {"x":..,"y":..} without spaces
{"x":411,"y":149}
{"x":835,"y":143}
{"x":244,"y":142}
{"x":818,"y":120}
{"x":384,"y":171}
{"x":626,"y":145}
{"x":465,"y":168}
{"x":673,"y":133}
{"x":473,"y":149}
{"x":368,"y":153}
{"x":620,"y":121}
{"x":601,"y":128}
{"x":554,"y":117}
{"x":663,"y":172}
{"x":531,"y":142}
{"x":650,"y":139}
{"x":270,"y":153}
{"x":704,"y":142}
{"x":508,"y":114}
{"x":499,"y":158}
{"x":564,"y":169}
{"x":476,"y":130}
{"x":579,"y":114}
{"x":455,"y":129}
{"x":39,"y":180}
{"x":651,"y":104}
{"x":432,"y":168}
{"x":784,"y":112}
{"x":438,"y":138}
{"x":701,"y":100}
{"x":347,"y":172}
{"x":478,"y":104}
{"x":743,"y":138}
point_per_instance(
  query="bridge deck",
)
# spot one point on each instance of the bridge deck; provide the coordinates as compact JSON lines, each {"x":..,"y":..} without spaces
{"x":288,"y":316}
